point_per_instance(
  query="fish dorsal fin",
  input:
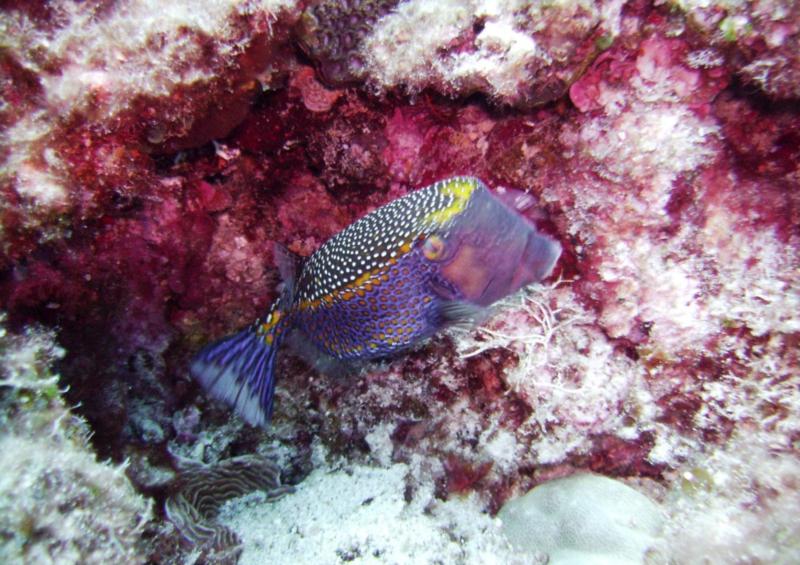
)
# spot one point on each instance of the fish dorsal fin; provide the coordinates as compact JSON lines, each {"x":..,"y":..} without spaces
{"x":515,"y":199}
{"x":289,"y":263}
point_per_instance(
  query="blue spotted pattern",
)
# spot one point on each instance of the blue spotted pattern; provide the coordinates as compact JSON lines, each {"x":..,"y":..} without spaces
{"x":389,"y":280}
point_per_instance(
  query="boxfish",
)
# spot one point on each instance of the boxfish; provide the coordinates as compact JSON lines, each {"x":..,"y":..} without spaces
{"x":438,"y":256}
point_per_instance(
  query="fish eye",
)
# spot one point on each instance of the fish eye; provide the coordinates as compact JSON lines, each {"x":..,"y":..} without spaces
{"x":433,"y":247}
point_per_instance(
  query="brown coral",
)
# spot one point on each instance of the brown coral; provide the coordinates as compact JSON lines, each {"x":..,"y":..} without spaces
{"x":331,"y":32}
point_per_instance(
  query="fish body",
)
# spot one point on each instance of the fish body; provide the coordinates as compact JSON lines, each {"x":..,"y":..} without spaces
{"x":437,"y":256}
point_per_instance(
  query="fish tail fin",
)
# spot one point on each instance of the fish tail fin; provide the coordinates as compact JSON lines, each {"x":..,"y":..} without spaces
{"x":240,"y":369}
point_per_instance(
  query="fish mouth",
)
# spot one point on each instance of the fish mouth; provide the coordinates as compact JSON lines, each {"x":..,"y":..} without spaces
{"x":532,"y":262}
{"x":552,"y":251}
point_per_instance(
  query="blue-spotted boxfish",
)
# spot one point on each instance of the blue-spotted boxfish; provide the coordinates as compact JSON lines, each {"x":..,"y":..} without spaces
{"x":437,"y":256}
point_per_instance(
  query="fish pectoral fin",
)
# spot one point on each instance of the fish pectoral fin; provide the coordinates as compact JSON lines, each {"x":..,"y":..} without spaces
{"x":461,"y":313}
{"x":451,"y":309}
{"x":442,"y":289}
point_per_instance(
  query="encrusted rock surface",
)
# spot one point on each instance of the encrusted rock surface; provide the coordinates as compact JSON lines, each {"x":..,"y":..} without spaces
{"x":148,"y":164}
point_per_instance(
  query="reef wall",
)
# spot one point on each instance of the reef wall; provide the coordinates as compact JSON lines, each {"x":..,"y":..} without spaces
{"x":150,"y":156}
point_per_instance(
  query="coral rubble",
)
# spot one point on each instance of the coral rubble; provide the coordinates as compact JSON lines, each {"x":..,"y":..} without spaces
{"x":150,"y":157}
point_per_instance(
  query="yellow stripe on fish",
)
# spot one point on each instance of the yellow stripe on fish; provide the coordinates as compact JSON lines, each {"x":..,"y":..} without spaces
{"x":436,"y":256}
{"x":460,"y":189}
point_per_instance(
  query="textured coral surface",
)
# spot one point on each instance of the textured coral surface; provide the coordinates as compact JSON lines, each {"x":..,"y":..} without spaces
{"x":151,"y":156}
{"x":58,"y":503}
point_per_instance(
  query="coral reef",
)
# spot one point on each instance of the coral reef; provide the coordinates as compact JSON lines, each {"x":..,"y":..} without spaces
{"x":58,"y":504}
{"x":147,"y":165}
{"x":332,"y":34}
{"x":519,"y":53}
{"x":92,"y":92}
{"x":760,"y":40}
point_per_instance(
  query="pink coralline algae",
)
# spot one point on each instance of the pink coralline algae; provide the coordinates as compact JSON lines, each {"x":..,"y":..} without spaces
{"x":148,"y":165}
{"x":316,"y":97}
